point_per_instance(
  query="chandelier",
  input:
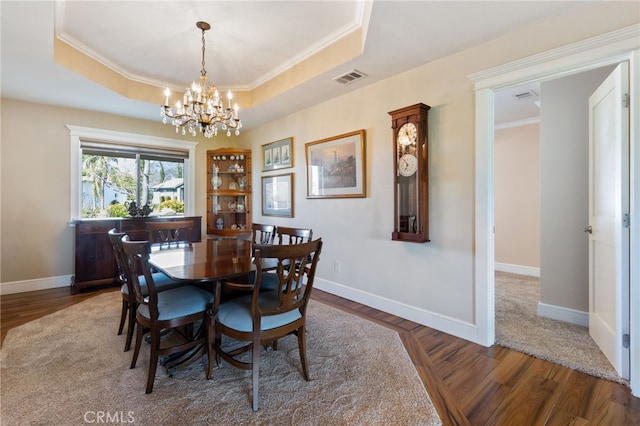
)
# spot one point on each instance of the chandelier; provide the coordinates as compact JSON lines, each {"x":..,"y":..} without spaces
{"x":202,"y":108}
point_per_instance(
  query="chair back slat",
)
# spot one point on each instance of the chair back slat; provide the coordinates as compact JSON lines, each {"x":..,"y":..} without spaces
{"x":115,"y":238}
{"x":262,"y":233}
{"x":288,"y":235}
{"x":137,"y":265}
{"x":170,"y":234}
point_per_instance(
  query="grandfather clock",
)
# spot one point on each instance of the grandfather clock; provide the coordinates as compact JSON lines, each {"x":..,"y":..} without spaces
{"x":411,"y":178}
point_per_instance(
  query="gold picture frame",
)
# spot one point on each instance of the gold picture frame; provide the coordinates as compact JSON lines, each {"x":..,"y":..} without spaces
{"x":336,"y":166}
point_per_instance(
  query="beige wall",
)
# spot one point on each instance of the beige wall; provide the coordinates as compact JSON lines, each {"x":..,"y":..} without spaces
{"x":436,"y":277}
{"x":37,"y":241}
{"x":517,"y":196}
{"x":432,"y":283}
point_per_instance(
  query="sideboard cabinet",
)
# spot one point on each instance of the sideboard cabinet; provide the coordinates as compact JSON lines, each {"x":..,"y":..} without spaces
{"x":94,"y":261}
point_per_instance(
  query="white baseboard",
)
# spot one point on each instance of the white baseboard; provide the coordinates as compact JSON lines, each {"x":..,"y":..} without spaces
{"x":544,"y":310}
{"x":33,"y":285}
{"x":439,"y":322}
{"x":517,"y":269}
{"x":563,"y":314}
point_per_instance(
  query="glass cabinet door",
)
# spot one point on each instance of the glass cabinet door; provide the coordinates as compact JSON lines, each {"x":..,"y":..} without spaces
{"x":229,"y":192}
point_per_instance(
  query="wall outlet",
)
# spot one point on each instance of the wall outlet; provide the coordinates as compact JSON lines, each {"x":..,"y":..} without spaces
{"x":336,"y":266}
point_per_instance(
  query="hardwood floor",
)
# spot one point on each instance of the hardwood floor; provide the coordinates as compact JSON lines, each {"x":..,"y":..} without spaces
{"x":468,"y":383}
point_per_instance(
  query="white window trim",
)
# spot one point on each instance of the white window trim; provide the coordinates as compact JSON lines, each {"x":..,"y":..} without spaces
{"x":77,"y":134}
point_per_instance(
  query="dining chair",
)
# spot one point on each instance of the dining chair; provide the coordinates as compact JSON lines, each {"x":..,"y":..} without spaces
{"x":288,"y":235}
{"x":170,"y":234}
{"x":262,"y":233}
{"x":262,"y":317}
{"x":185,"y":311}
{"x":129,"y":303}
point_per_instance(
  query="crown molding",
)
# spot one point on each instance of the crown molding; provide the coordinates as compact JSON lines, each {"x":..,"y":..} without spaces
{"x":360,"y":23}
{"x":580,"y":56}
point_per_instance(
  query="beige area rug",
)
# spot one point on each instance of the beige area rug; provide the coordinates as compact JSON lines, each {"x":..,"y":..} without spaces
{"x":69,"y":368}
{"x":519,"y":327}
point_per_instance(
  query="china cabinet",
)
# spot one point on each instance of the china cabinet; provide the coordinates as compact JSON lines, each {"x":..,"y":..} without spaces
{"x":229,"y":192}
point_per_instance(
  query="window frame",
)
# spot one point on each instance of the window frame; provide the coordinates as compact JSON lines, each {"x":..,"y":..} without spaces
{"x":79,"y":134}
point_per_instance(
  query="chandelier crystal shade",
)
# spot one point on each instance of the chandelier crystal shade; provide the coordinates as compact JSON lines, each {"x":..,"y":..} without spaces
{"x":202,"y":107}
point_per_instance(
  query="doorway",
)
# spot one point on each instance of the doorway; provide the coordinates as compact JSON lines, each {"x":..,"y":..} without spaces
{"x":541,"y":204}
{"x":552,"y":64}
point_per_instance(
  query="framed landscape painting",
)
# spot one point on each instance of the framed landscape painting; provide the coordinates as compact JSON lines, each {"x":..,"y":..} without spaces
{"x":336,"y":166}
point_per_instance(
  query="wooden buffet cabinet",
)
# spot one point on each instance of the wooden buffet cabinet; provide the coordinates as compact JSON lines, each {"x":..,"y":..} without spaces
{"x":94,"y":261}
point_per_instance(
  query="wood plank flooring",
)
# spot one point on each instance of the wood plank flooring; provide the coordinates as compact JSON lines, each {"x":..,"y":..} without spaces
{"x":468,"y":383}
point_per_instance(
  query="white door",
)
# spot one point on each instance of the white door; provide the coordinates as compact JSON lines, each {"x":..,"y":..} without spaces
{"x":608,"y":213}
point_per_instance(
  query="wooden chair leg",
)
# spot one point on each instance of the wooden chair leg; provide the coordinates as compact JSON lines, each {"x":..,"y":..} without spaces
{"x":136,"y":350}
{"x":209,"y":339}
{"x":123,"y":315}
{"x":132,"y":325}
{"x":303,"y":353}
{"x":255,"y":367}
{"x":153,"y":359}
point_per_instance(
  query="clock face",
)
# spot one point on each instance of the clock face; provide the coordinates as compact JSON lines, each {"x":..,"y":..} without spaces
{"x":407,"y":134}
{"x":407,"y":165}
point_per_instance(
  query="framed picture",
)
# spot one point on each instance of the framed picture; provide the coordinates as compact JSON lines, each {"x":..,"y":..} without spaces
{"x":277,"y":195}
{"x":277,"y":155}
{"x":336,"y":166}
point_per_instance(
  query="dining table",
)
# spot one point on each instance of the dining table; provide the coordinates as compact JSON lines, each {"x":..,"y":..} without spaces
{"x":208,"y":262}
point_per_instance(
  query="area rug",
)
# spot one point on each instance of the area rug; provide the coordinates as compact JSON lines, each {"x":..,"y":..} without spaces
{"x":69,"y":368}
{"x":519,"y":327}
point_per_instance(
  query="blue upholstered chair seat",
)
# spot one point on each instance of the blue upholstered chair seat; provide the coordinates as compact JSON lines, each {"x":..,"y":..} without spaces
{"x":161,"y":281}
{"x":191,"y":301}
{"x":236,"y":313}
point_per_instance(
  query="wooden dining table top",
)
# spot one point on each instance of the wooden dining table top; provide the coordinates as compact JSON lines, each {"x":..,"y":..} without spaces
{"x":205,"y":261}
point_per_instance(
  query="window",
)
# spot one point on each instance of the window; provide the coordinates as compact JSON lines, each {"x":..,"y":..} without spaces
{"x":110,"y":170}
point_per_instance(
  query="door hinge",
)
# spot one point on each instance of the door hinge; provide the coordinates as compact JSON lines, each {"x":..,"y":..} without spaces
{"x":625,"y":100}
{"x":626,"y":221}
{"x":626,"y":341}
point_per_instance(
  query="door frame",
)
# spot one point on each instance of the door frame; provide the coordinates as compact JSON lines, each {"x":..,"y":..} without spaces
{"x":596,"y":52}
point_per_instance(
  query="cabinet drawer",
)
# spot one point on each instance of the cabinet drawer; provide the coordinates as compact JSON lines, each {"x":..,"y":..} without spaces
{"x":98,"y":227}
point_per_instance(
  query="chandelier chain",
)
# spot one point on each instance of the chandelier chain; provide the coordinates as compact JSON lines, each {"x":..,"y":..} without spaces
{"x":204,"y":71}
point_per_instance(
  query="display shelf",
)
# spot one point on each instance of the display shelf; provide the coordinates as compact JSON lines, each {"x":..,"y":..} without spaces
{"x":229,"y":192}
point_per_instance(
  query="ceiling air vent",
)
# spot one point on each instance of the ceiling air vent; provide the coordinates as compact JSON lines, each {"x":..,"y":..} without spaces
{"x":350,"y":77}
{"x":528,"y":95}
